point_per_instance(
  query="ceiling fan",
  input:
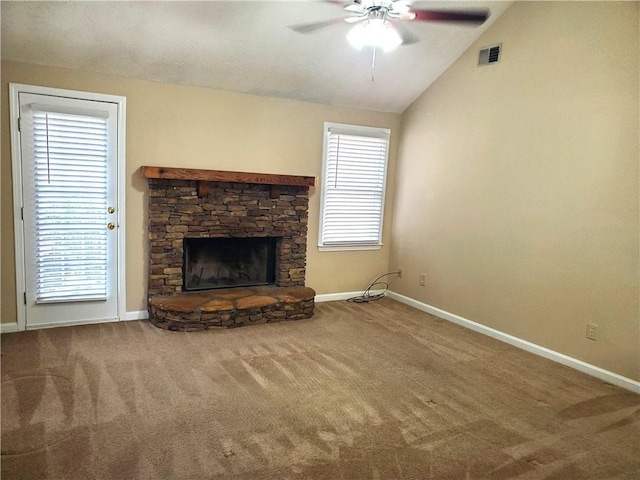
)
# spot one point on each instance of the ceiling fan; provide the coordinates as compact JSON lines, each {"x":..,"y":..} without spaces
{"x":378,"y":23}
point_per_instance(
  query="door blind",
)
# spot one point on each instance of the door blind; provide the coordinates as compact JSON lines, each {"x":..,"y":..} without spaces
{"x":69,"y":182}
{"x":355,"y":168}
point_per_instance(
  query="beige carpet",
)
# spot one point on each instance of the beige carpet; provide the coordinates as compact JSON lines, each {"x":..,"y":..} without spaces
{"x":373,"y":391}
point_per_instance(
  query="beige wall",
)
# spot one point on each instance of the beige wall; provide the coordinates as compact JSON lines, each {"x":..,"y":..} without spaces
{"x":173,"y":125}
{"x":517,"y":183}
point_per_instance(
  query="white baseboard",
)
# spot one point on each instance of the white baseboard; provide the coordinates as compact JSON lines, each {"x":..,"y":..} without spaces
{"x":40,"y":326}
{"x":9,"y":327}
{"x":136,"y":315}
{"x":561,"y":358}
{"x":333,"y":297}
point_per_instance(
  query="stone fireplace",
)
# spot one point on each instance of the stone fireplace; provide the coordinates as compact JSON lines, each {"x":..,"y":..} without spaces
{"x":192,"y":207}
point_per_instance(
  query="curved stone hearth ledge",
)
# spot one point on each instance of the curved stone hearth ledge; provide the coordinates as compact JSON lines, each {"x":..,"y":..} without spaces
{"x":230,"y":308}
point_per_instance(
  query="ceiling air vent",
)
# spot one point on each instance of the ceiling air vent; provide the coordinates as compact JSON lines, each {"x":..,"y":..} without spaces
{"x":489,"y":55}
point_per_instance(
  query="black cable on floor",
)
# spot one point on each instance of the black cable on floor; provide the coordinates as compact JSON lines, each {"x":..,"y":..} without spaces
{"x":367,"y":296}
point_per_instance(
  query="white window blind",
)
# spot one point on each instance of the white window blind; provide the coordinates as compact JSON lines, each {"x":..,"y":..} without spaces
{"x":355,"y":164}
{"x":69,"y":182}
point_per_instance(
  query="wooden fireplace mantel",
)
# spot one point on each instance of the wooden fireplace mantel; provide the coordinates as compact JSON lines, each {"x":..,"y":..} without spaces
{"x":225,"y":176}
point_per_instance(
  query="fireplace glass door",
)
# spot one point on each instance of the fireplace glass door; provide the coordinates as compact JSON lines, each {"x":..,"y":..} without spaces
{"x":211,"y":263}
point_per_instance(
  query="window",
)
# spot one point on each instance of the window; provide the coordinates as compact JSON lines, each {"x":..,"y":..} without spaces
{"x":353,"y":186}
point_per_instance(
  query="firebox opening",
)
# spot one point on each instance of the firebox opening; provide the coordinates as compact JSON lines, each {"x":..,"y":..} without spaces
{"x":211,"y":263}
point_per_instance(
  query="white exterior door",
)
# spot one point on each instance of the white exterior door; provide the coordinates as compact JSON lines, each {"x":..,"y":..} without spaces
{"x":70,"y":212}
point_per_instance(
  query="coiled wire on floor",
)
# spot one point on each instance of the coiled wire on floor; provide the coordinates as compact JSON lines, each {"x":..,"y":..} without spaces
{"x":367,"y":296}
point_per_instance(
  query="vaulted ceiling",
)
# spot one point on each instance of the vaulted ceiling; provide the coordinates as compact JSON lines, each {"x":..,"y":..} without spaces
{"x":241,"y":46}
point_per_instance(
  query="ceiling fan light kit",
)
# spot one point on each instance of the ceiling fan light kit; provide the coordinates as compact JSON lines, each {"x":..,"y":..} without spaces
{"x":374,"y":33}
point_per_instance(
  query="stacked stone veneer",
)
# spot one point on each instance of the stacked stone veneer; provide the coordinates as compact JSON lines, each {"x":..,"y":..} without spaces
{"x":183,"y":208}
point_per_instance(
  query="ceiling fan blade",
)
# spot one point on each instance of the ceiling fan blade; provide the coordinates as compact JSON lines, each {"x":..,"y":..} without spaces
{"x":408,"y":38}
{"x":356,"y":19}
{"x":313,"y":26}
{"x":471,"y":17}
{"x":342,"y":3}
{"x":401,"y":6}
{"x":354,"y":7}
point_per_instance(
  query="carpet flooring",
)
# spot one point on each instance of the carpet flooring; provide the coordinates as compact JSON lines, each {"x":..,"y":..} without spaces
{"x":360,"y":391}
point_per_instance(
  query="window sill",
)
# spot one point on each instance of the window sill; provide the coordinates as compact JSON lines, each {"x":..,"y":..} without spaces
{"x":338,"y":248}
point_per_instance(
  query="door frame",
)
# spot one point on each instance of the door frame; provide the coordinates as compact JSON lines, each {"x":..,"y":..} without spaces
{"x":16,"y":164}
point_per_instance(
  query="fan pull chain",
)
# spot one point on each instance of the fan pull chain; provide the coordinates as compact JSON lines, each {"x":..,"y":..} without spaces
{"x":373,"y":64}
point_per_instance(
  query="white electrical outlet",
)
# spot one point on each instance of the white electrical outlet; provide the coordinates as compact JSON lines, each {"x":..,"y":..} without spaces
{"x":423,"y":279}
{"x":592,"y":330}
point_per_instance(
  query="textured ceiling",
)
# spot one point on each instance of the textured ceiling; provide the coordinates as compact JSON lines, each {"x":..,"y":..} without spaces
{"x":240,"y":46}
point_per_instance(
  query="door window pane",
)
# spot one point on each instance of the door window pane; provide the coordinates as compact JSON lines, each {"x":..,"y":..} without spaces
{"x":70,"y":188}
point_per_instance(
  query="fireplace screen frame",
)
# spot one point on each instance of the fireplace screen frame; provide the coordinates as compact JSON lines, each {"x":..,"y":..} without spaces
{"x":270,"y":263}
